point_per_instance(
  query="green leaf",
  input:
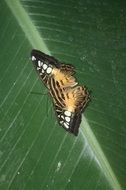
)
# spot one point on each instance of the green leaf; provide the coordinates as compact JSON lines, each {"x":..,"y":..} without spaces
{"x":35,"y":152}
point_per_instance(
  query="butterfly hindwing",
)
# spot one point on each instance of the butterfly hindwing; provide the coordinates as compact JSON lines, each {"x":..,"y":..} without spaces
{"x":70,"y":121}
{"x":69,"y":115}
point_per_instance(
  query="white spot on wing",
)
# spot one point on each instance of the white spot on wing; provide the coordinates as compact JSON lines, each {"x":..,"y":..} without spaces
{"x":38,"y":68}
{"x":49,"y":70}
{"x":67,"y":113}
{"x":67,"y":123}
{"x":44,"y":66}
{"x":40,"y":63}
{"x":42,"y":71}
{"x":66,"y":126}
{"x":33,"y":58}
{"x":67,"y":119}
{"x":62,"y":116}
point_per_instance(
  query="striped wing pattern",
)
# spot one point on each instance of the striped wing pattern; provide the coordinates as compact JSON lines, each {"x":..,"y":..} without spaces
{"x":68,"y":97}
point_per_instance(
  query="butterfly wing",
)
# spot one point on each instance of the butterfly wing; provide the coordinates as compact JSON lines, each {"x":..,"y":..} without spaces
{"x":44,"y":65}
{"x":47,"y":66}
{"x":38,"y":55}
{"x":70,"y":121}
{"x":69,"y":99}
{"x":69,"y":109}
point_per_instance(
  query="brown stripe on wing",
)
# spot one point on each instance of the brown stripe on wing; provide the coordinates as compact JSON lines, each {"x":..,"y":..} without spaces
{"x":61,"y":90}
{"x":59,"y":94}
{"x":67,"y":68}
{"x":85,"y":99}
{"x":44,"y":79}
{"x":56,"y":92}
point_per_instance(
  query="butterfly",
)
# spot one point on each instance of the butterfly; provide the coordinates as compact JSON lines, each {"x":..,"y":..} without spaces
{"x":68,"y":97}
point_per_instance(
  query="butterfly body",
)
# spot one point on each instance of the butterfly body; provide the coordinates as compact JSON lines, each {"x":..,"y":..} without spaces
{"x":68,"y":97}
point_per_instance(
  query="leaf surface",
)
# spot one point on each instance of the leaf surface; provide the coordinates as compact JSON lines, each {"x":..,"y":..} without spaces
{"x":35,"y":152}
